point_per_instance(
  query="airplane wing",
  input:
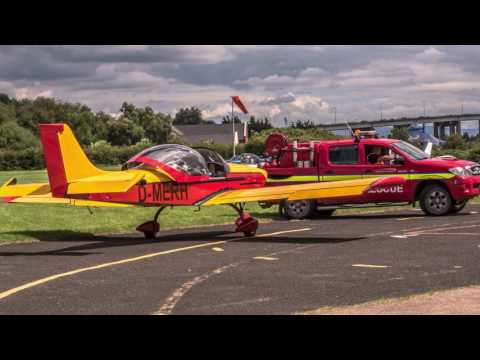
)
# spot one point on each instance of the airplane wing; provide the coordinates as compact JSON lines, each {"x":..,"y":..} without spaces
{"x":324,"y":190}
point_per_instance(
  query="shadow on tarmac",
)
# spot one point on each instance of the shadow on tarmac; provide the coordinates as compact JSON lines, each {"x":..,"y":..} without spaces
{"x":105,"y":242}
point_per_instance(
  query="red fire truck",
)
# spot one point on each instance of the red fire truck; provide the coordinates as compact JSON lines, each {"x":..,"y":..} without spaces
{"x":441,"y":185}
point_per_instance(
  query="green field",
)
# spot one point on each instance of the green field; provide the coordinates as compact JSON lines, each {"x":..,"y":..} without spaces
{"x":56,"y":222}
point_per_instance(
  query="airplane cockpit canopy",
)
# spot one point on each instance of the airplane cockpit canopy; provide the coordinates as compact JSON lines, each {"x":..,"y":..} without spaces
{"x":178,"y":157}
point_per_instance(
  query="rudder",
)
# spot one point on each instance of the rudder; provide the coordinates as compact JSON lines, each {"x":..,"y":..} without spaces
{"x":65,"y":159}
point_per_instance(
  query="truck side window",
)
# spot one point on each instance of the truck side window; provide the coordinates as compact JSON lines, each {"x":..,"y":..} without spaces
{"x":343,"y":155}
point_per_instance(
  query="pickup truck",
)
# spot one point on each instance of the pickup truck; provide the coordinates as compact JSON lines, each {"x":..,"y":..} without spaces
{"x":441,"y":185}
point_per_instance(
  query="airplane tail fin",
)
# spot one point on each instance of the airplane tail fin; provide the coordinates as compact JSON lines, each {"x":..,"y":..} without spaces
{"x":65,"y":160}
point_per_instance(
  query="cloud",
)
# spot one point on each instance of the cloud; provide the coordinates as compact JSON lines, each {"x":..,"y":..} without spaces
{"x":297,"y":82}
{"x":282,"y":99}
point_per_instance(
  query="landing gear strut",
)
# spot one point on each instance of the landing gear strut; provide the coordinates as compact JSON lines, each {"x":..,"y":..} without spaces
{"x":245,"y":223}
{"x":152,"y":227}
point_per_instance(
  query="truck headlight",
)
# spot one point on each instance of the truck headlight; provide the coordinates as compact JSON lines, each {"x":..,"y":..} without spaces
{"x":460,"y":171}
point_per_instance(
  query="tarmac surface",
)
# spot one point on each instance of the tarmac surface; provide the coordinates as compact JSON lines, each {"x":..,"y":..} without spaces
{"x":289,"y":267}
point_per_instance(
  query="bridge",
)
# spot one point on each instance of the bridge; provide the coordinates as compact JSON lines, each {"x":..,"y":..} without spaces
{"x":440,"y":123}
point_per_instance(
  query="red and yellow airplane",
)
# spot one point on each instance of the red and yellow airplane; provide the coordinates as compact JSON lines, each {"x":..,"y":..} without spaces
{"x":163,"y":176}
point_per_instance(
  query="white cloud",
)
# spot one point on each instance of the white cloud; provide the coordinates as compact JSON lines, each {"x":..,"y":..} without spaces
{"x":32,"y":93}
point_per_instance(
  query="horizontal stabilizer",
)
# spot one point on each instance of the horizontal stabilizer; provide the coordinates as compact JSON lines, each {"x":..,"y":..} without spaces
{"x":11,"y":189}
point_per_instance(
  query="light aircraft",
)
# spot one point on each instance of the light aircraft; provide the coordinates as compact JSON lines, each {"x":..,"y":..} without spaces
{"x":164,"y":176}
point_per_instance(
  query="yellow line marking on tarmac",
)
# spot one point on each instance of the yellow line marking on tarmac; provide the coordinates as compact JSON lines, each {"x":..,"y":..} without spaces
{"x":218,"y":249}
{"x":45,"y":280}
{"x":267,"y":258}
{"x":455,"y":234}
{"x":411,"y":218}
{"x":371,"y":266}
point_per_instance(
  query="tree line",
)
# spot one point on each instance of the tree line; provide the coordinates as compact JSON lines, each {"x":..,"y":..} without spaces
{"x":113,"y":139}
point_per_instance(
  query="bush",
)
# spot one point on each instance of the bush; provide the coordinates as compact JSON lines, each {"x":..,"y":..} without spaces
{"x":474,"y":153}
{"x":27,"y":159}
{"x":104,"y":153}
{"x":14,"y":137}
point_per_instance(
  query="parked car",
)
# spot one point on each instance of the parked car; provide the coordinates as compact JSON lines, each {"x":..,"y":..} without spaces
{"x":248,"y":158}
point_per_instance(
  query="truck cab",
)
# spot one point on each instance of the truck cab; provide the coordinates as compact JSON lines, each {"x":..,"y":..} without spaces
{"x":441,"y":185}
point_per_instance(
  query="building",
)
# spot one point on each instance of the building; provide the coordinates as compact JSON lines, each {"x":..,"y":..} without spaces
{"x":210,"y":133}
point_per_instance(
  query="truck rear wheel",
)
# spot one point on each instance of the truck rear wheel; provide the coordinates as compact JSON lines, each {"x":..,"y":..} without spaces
{"x":300,"y":209}
{"x":435,"y":200}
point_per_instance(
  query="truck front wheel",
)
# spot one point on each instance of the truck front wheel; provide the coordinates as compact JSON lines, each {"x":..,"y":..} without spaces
{"x":300,"y":209}
{"x":435,"y":200}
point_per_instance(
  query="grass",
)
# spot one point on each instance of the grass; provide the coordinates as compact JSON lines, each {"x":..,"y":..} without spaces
{"x":47,"y":222}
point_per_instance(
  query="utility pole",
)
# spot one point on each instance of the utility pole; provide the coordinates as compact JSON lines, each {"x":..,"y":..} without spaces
{"x":424,"y":111}
{"x":233,"y":131}
{"x":334,"y":110}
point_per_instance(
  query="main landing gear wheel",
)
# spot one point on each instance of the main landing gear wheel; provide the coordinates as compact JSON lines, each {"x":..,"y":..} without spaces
{"x":300,"y":209}
{"x":151,"y":228}
{"x":245,"y":222}
{"x":435,"y":200}
{"x":459,"y":206}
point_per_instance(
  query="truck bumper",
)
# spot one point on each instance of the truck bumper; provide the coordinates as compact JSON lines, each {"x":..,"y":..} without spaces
{"x":465,"y":187}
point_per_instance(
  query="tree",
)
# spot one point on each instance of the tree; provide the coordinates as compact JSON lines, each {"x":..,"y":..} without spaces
{"x":256,"y":126}
{"x":399,"y":133}
{"x":157,"y":126}
{"x":188,"y":116}
{"x":158,"y":129}
{"x":7,"y":113}
{"x":455,"y":142}
{"x":124,"y":132}
{"x":4,"y":99}
{"x":299,"y":124}
{"x":228,"y":120}
{"x":14,"y":137}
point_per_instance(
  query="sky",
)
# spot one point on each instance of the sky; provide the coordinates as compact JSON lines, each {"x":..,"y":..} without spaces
{"x":296,"y":82}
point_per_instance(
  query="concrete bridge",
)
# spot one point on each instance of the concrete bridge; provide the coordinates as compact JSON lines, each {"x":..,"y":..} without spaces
{"x":440,"y":123}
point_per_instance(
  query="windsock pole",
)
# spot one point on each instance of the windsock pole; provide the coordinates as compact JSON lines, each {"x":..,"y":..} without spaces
{"x":233,"y":130}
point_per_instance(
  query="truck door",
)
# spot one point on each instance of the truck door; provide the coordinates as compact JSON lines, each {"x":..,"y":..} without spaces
{"x":343,"y":163}
{"x":380,"y":161}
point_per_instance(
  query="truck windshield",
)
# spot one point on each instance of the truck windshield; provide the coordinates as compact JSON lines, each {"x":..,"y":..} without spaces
{"x":412,"y":151}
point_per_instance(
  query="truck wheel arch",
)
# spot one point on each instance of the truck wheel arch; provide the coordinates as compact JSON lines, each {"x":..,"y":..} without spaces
{"x":423,"y":184}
